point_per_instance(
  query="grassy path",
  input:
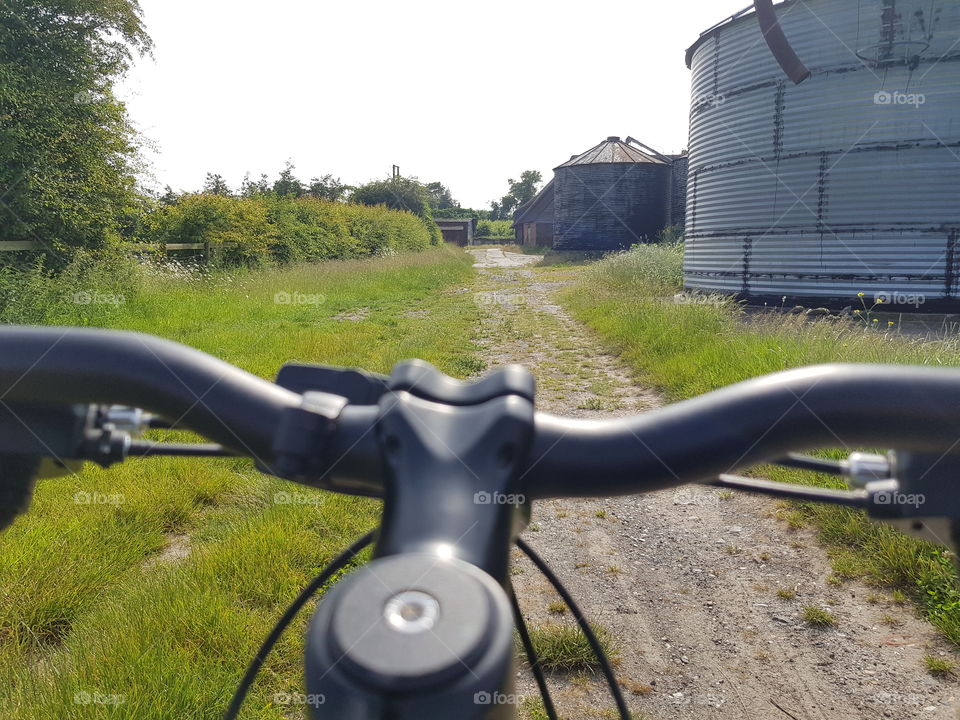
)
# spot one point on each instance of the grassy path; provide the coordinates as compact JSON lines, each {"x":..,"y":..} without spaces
{"x":149,"y":600}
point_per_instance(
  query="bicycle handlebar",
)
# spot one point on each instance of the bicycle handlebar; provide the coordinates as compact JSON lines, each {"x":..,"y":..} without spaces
{"x":737,"y":427}
{"x":423,"y":440}
{"x":207,"y":395}
{"x":743,"y":425}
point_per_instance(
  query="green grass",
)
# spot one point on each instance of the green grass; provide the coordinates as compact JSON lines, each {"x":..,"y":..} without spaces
{"x":686,"y":347}
{"x":818,"y":617}
{"x":939,"y":667}
{"x":90,"y":607}
{"x":564,"y":648}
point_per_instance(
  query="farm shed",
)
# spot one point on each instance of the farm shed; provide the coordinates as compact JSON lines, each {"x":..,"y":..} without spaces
{"x":845,"y":183}
{"x":459,"y":231}
{"x":533,"y":221}
{"x":612,"y":196}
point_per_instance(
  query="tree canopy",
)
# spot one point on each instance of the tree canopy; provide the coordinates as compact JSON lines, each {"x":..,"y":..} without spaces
{"x":397,"y":193}
{"x":521,"y":191}
{"x":67,"y":150}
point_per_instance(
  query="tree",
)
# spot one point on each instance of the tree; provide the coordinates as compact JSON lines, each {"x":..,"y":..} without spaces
{"x":441,"y":199}
{"x":328,"y":188}
{"x":397,"y":193}
{"x":169,"y":197}
{"x":521,"y":191}
{"x":248,"y":188}
{"x":216,"y":185}
{"x":68,"y":153}
{"x":287,"y":184}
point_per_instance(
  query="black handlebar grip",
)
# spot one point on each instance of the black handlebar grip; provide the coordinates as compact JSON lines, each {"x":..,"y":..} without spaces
{"x":18,"y":475}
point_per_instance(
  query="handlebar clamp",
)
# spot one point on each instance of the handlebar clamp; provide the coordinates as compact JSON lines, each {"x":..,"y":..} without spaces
{"x":300,"y":440}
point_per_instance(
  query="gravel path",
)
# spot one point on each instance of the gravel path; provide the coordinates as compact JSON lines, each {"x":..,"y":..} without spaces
{"x":703,"y":590}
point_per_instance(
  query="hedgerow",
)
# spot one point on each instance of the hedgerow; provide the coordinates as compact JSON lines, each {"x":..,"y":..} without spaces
{"x":268,"y":230}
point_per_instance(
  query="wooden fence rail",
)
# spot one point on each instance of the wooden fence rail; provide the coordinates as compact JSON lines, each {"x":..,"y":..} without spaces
{"x":20,"y":245}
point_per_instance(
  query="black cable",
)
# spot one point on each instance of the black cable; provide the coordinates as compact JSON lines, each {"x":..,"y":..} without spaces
{"x":805,"y":462}
{"x":531,"y":652}
{"x":584,"y":627}
{"x":143,"y":448}
{"x":850,"y":498}
{"x":337,"y":564}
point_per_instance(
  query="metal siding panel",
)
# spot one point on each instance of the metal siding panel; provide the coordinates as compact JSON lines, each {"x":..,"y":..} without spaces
{"x":818,"y":190}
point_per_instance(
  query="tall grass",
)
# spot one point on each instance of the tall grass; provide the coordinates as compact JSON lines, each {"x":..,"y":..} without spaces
{"x":150,"y":603}
{"x":688,"y":345}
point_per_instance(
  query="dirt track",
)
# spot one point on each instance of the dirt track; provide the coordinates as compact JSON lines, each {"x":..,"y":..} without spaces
{"x":688,"y":579}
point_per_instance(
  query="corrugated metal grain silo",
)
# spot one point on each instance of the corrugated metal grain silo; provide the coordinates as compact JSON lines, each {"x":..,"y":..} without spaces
{"x":610,"y":197}
{"x":848,"y":182}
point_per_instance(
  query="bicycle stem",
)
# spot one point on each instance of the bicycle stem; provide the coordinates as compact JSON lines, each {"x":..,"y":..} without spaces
{"x":426,"y":629}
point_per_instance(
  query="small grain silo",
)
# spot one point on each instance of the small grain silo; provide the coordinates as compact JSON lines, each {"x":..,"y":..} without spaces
{"x":610,"y":197}
{"x":848,"y":182}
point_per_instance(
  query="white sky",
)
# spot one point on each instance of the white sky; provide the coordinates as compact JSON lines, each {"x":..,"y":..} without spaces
{"x":467,"y":94}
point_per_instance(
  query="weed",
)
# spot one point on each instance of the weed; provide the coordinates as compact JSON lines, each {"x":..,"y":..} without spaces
{"x":818,"y":617}
{"x":565,"y":648}
{"x":939,"y":667}
{"x":557,"y":607}
{"x":532,"y":708}
{"x":635,"y":687}
{"x":786,"y":594}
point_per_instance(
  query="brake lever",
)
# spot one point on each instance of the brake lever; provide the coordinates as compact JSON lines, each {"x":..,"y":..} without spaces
{"x":920,"y":501}
{"x":910,"y":491}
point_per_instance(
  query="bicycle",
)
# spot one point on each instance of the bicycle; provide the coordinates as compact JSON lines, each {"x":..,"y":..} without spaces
{"x":425,"y":629}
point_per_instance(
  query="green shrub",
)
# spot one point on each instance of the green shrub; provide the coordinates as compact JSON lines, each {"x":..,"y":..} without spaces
{"x":501,"y":229}
{"x":269,"y":229}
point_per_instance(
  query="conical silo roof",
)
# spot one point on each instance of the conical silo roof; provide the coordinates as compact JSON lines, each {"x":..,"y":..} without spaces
{"x":613,"y":150}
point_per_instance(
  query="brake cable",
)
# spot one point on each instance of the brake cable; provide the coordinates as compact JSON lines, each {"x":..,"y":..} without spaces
{"x":335,"y":566}
{"x":805,"y":462}
{"x":584,"y":627}
{"x":157,"y":449}
{"x":532,"y":657}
